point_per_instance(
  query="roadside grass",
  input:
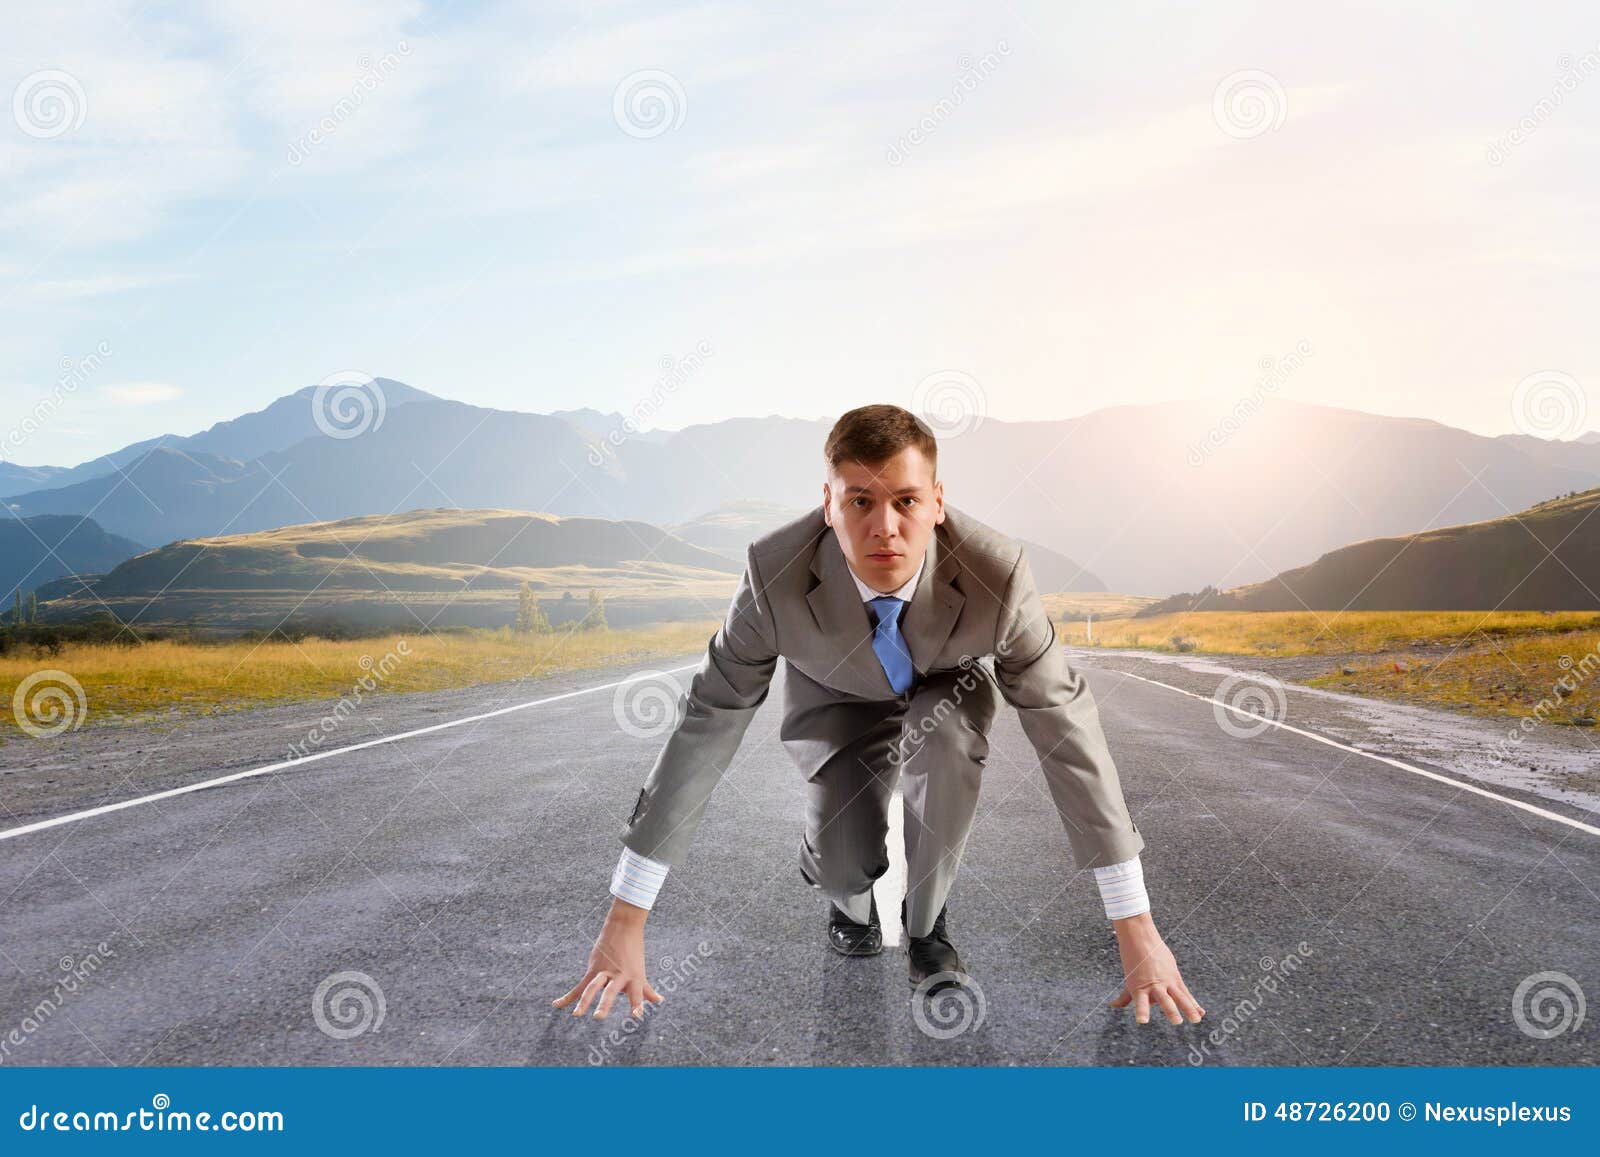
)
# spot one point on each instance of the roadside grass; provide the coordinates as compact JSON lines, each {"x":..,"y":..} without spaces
{"x":1544,"y":664}
{"x":167,"y":678}
{"x":1513,"y":663}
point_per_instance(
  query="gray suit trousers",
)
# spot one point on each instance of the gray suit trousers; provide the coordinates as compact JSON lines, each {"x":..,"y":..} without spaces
{"x":933,"y":741}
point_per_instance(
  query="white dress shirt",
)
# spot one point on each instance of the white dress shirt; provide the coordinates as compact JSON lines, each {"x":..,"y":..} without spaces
{"x":638,"y":879}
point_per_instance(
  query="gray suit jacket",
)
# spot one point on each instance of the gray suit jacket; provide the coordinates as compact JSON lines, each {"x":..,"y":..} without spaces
{"x":975,"y":598}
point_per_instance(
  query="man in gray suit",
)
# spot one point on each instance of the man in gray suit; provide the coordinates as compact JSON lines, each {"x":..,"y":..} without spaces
{"x":903,"y":623}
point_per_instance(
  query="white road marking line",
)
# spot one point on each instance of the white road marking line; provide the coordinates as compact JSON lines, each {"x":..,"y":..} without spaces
{"x":891,"y":886}
{"x":89,"y":813}
{"x":1422,"y":771}
{"x":892,"y":883}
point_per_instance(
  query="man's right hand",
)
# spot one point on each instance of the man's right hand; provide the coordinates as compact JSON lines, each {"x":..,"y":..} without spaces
{"x":616,"y":966}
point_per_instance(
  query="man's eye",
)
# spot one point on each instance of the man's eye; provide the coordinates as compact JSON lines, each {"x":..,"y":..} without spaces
{"x":910,"y":498}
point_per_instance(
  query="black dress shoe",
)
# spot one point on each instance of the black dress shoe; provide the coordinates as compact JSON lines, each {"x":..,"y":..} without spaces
{"x":933,"y":956}
{"x":851,"y":939}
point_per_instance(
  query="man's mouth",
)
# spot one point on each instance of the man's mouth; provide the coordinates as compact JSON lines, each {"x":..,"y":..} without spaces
{"x":883,"y":555}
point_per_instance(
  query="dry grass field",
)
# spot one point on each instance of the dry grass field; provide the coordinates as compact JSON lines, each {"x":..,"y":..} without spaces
{"x":164,"y":679}
{"x":1504,"y":663}
{"x":1544,"y":663}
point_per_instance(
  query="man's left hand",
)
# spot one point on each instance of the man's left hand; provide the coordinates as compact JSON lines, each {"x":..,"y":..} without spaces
{"x":1152,"y":973}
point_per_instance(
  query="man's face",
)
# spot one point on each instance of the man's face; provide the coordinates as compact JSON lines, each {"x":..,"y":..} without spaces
{"x":883,"y":514}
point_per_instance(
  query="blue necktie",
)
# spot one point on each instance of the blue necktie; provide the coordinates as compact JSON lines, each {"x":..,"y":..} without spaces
{"x":887,"y":642}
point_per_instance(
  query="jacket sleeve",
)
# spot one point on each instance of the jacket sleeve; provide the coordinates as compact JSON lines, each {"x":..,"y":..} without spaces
{"x":1060,"y":719}
{"x":723,"y":696}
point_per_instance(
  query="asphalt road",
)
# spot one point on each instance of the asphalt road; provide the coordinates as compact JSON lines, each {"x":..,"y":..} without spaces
{"x":1325,"y":907}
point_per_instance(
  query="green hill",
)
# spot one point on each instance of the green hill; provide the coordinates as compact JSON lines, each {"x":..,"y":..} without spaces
{"x":446,"y":565}
{"x":1544,"y":558}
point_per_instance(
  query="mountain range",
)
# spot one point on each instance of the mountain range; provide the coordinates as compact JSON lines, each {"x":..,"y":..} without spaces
{"x":34,"y":551}
{"x":1146,"y":499}
{"x":1544,"y":558}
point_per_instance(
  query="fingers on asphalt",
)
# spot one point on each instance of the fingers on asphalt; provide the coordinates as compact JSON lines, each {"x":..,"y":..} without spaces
{"x":1189,"y":1004}
{"x":607,"y":986}
{"x":609,"y":997}
{"x":571,"y":994}
{"x":590,"y":991}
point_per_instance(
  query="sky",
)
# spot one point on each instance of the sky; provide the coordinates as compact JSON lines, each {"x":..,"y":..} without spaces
{"x":1042,"y":208}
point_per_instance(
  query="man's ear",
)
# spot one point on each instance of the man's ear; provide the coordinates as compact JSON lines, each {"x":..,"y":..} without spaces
{"x":938,"y":499}
{"x":827,"y":505}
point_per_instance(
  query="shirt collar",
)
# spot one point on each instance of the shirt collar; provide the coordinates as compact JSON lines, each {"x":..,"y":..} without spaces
{"x":903,"y":592}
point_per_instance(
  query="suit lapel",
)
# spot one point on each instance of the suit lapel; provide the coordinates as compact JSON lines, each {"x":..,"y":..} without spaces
{"x":935,"y":604}
{"x":840,"y":614}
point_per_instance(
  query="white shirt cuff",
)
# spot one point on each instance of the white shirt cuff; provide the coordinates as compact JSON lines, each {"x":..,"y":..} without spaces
{"x":1122,"y":889}
{"x":637,"y":879}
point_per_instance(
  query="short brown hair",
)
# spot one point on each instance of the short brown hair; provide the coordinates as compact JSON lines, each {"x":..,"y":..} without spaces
{"x":873,"y":434}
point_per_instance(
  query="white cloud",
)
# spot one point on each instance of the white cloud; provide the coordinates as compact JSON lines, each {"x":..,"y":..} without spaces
{"x":357,"y":73}
{"x":718,"y":41}
{"x":139,"y":393}
{"x":157,"y":131}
